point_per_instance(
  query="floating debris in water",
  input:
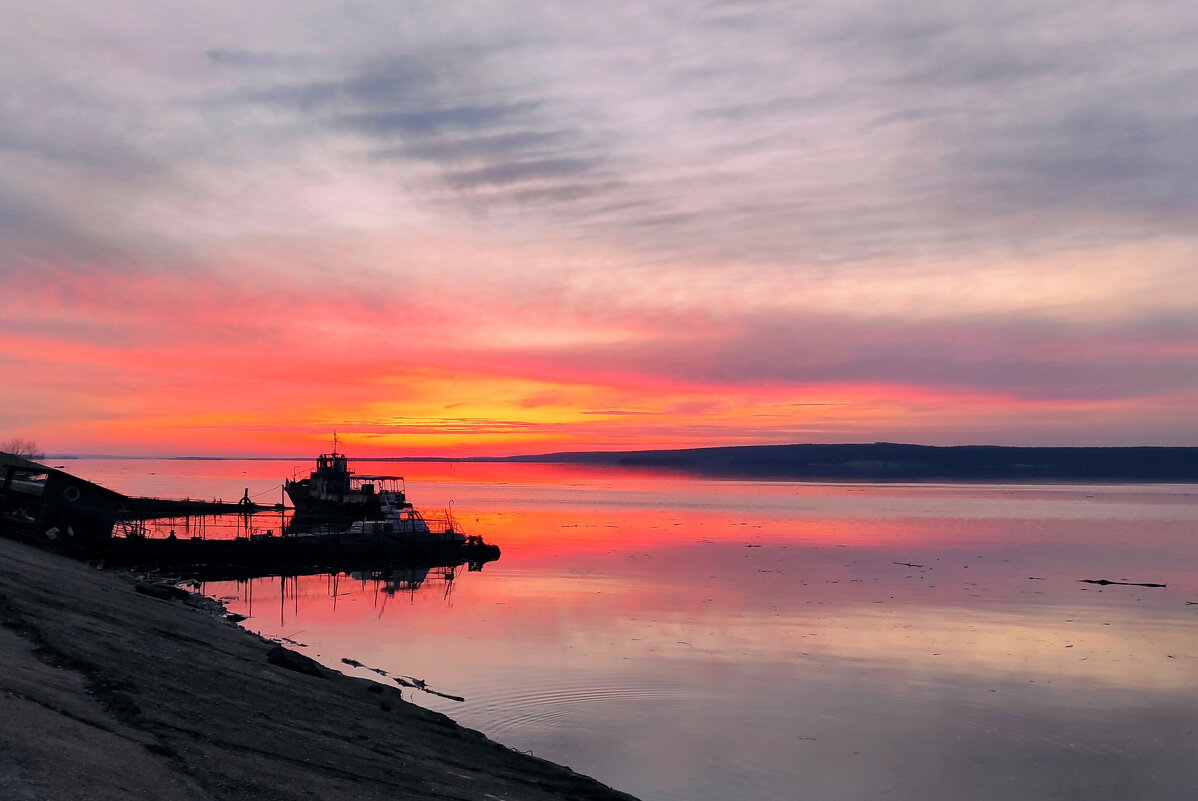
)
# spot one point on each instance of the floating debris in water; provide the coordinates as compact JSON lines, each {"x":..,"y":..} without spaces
{"x":420,"y":684}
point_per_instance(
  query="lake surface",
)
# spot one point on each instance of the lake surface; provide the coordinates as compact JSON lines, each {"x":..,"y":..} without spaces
{"x":706,"y":640}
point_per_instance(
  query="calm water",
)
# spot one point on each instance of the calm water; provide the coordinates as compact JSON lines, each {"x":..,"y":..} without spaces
{"x":682,"y":638}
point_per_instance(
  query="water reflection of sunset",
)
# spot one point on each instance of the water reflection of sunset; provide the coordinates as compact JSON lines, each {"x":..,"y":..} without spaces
{"x":790,"y":626}
{"x":672,"y":611}
{"x":929,"y":594}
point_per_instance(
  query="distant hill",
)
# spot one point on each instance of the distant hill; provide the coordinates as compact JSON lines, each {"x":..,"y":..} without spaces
{"x":891,"y":461}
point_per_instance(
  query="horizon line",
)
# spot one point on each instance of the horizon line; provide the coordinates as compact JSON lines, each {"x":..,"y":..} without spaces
{"x":482,"y":458}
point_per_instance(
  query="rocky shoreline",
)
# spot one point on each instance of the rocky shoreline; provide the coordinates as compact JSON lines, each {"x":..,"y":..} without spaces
{"x":111,"y":693}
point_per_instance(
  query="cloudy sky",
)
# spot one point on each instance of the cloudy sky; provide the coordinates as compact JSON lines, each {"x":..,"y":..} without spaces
{"x":506,"y":227}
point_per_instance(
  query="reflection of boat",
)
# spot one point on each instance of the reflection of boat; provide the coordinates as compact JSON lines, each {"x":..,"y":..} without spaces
{"x":333,"y":491}
{"x":410,"y":579}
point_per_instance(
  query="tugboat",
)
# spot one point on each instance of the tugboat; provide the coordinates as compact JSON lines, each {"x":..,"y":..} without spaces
{"x":332,"y":491}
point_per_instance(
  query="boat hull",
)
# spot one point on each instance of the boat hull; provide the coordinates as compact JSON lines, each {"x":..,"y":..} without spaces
{"x":281,"y":553}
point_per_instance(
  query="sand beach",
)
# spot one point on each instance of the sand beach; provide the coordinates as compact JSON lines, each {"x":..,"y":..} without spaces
{"x":113,"y":693}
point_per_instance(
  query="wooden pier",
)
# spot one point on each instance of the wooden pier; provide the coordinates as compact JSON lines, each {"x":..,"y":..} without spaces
{"x":58,"y":511}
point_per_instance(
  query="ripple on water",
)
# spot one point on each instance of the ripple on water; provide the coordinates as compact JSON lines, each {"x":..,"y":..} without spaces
{"x":544,"y":703}
{"x":762,"y":730}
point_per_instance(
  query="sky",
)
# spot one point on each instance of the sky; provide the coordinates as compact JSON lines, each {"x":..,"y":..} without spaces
{"x":453,"y":228}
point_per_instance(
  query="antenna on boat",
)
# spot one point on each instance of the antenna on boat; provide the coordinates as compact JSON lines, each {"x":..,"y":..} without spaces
{"x":336,"y":440}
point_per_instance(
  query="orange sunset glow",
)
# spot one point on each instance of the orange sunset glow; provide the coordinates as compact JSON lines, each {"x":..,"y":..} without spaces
{"x":448,"y":237}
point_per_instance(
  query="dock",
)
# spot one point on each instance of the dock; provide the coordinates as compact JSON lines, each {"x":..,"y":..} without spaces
{"x":58,"y":511}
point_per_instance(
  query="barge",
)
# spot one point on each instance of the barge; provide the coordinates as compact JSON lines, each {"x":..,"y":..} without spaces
{"x":332,"y":551}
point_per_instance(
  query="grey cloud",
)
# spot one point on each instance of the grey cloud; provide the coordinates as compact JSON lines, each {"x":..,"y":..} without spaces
{"x":1030,"y":122}
{"x":775,"y":106}
{"x":817,"y":135}
{"x":249,"y":59}
{"x":909,"y":115}
{"x":40,"y":225}
{"x":31,"y":233}
{"x":981,"y":70}
{"x":396,"y":80}
{"x":1110,"y":160}
{"x":65,"y":128}
{"x":977,"y":47}
{"x":1025,"y":358}
{"x":564,"y":192}
{"x":1049,"y":118}
{"x":518,"y":171}
{"x":434,"y":120}
{"x":451,"y":115}
{"x":666,"y":220}
{"x":453,"y":150}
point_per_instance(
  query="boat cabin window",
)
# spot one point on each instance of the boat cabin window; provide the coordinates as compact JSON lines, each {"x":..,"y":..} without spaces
{"x":333,"y":462}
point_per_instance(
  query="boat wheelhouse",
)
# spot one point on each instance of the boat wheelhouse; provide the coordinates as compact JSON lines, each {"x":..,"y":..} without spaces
{"x":332,"y":490}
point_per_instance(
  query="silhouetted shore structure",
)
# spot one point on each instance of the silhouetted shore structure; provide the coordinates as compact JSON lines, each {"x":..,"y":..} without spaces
{"x":36,"y":500}
{"x":54,"y":509}
{"x":245,"y":557}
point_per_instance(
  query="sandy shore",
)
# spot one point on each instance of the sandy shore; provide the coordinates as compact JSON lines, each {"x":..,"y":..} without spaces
{"x":109,"y":693}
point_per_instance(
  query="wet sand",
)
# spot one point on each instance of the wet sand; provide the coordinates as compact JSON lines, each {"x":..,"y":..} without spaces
{"x":110,"y":693}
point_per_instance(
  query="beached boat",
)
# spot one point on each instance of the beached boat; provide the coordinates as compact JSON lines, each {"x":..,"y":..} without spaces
{"x":43,"y":503}
{"x":334,"y":491}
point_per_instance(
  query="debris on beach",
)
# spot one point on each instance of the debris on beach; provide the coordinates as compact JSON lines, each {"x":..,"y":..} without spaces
{"x":1107,"y":582}
{"x":285,"y":658}
{"x":357,"y":664}
{"x":420,"y":684}
{"x":166,"y":592}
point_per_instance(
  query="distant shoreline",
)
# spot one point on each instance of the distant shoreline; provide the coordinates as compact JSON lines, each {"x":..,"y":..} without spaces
{"x":876,"y":461}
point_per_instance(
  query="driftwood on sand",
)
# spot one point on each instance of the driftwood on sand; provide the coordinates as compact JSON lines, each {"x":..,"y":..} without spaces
{"x":1106,"y":582}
